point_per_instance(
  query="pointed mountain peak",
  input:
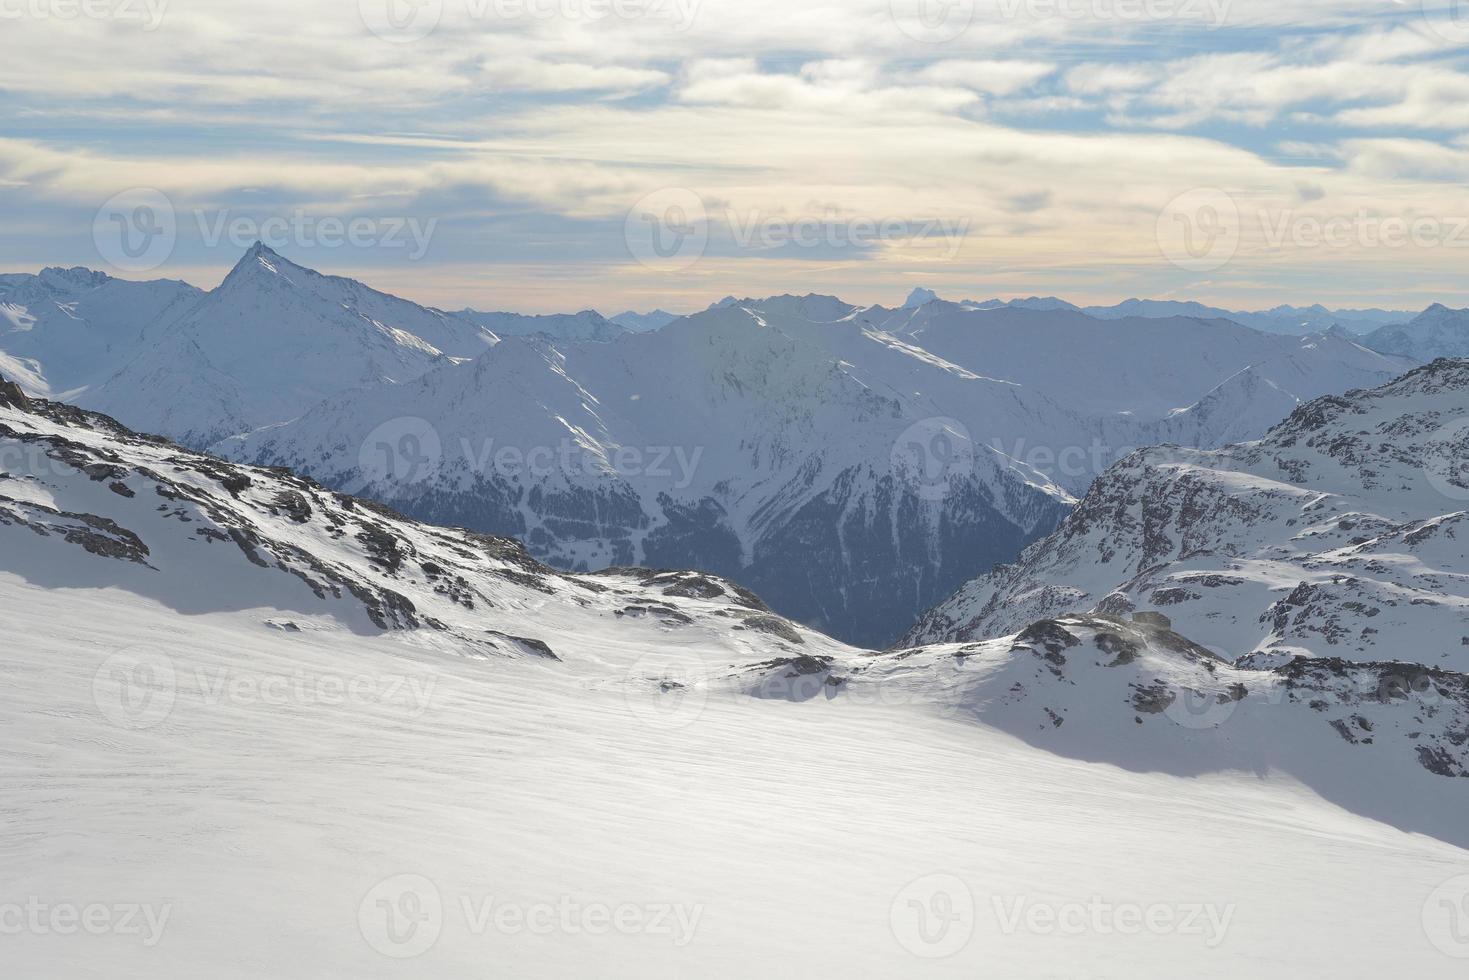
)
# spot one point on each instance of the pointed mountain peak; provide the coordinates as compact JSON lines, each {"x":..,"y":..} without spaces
{"x":1436,"y":309}
{"x":260,"y":259}
{"x":918,"y":297}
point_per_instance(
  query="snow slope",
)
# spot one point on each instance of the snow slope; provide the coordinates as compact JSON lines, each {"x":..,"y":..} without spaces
{"x":228,"y":739}
{"x":586,"y":325}
{"x":1342,"y":533}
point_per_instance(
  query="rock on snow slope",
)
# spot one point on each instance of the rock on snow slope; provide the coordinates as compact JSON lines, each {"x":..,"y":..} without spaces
{"x":275,"y":717}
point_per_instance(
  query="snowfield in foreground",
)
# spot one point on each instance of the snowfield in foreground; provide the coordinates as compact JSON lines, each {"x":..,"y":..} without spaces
{"x":471,"y":818}
{"x":254,"y":727}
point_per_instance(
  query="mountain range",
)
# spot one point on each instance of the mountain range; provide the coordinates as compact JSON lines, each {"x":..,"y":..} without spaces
{"x":859,"y":463}
{"x":222,"y":666}
{"x":1284,"y":319}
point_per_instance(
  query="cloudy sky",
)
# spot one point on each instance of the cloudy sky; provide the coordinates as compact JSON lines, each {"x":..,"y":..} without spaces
{"x":553,"y":154}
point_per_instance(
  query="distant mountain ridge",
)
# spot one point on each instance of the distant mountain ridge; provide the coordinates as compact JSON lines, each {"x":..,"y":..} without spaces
{"x":1436,"y":332}
{"x":856,"y":464}
{"x":1291,"y":320}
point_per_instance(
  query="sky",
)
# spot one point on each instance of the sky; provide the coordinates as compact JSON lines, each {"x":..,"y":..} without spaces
{"x":550,"y":155}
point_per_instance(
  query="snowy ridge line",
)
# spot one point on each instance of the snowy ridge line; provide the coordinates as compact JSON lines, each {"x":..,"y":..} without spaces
{"x":171,"y":525}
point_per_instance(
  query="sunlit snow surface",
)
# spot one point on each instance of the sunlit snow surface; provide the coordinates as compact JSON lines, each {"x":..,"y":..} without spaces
{"x":791,"y":837}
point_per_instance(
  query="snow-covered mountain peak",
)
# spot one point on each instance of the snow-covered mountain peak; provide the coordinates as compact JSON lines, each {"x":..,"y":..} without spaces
{"x":918,"y":297}
{"x":74,"y":278}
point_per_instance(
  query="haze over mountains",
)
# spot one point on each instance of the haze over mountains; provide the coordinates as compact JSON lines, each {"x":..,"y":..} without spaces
{"x":858,"y":464}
